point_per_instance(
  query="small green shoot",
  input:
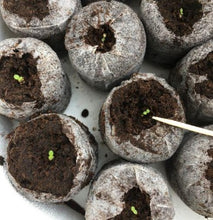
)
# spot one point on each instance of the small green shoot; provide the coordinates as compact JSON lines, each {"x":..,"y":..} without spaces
{"x":20,"y":79}
{"x":51,"y":155}
{"x":104,"y":37}
{"x":146,"y":112}
{"x":133,"y":209}
{"x":181,"y":13}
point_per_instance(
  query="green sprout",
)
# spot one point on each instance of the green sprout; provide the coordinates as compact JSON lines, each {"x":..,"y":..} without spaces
{"x":146,"y":112}
{"x":104,"y":37}
{"x":20,"y":79}
{"x":51,"y":155}
{"x":181,"y":13}
{"x":133,"y":209}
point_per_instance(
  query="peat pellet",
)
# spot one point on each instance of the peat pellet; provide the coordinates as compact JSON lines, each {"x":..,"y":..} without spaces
{"x":41,"y":19}
{"x":191,"y":173}
{"x":193,"y":79}
{"x":129,"y":191}
{"x":51,"y":158}
{"x":106,"y":43}
{"x":32,"y":79}
{"x":174,"y":27}
{"x":126,"y":122}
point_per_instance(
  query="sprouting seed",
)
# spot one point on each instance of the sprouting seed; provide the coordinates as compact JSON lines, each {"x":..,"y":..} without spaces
{"x":19,"y":78}
{"x":133,"y":209}
{"x":51,"y":155}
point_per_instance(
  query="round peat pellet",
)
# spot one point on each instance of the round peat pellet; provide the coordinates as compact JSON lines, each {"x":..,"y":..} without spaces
{"x":174,"y":27}
{"x":193,"y":79}
{"x":31,"y":79}
{"x":38,"y":18}
{"x":106,"y":43}
{"x":129,"y":191}
{"x":126,"y":122}
{"x":191,"y":173}
{"x":51,"y":158}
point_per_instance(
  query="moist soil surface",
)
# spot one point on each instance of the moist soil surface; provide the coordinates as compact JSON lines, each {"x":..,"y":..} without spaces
{"x":28,"y":9}
{"x":204,"y":67}
{"x":13,"y":91}
{"x":28,"y":156}
{"x":209,"y":171}
{"x":180,"y":15}
{"x":140,"y":201}
{"x":103,"y":37}
{"x":131,"y":101}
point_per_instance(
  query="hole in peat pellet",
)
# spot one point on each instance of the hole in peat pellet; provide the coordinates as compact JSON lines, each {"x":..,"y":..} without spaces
{"x":85,"y":113}
{"x":204,"y":67}
{"x":180,"y":15}
{"x":134,"y":105}
{"x":28,"y":9}
{"x":103,"y":37}
{"x":26,"y":90}
{"x":209,"y":171}
{"x":30,"y":161}
{"x":137,"y":206}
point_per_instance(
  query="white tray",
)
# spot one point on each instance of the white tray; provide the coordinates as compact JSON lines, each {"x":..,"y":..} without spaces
{"x":14,"y":206}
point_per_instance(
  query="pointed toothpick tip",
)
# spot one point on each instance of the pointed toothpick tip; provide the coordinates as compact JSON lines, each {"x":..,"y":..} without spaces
{"x":184,"y":126}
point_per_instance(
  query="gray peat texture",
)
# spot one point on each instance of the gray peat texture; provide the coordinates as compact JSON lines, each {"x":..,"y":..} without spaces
{"x":86,"y":161}
{"x":187,"y":173}
{"x":105,"y":199}
{"x":60,"y":12}
{"x":198,"y":107}
{"x":105,"y":70}
{"x":163,"y":45}
{"x":55,"y":85}
{"x":162,"y":138}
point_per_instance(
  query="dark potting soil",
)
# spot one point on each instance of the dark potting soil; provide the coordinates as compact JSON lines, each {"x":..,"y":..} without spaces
{"x":28,"y":9}
{"x":204,"y":67}
{"x":180,"y":23}
{"x":102,"y":36}
{"x":1,"y":161}
{"x":131,"y":101}
{"x":209,"y":171}
{"x":28,"y":156}
{"x":140,"y":201}
{"x":13,"y":91}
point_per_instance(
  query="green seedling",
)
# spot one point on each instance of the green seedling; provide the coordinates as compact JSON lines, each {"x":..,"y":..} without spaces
{"x":181,"y":13}
{"x":146,"y":112}
{"x":51,"y":155}
{"x":20,"y":79}
{"x":104,"y":37}
{"x":133,"y":209}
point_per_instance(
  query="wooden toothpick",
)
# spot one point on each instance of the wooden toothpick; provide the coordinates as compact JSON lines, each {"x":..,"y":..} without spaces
{"x":184,"y":126}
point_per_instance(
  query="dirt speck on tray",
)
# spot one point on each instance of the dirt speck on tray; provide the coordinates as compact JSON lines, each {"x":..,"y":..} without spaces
{"x":85,"y":113}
